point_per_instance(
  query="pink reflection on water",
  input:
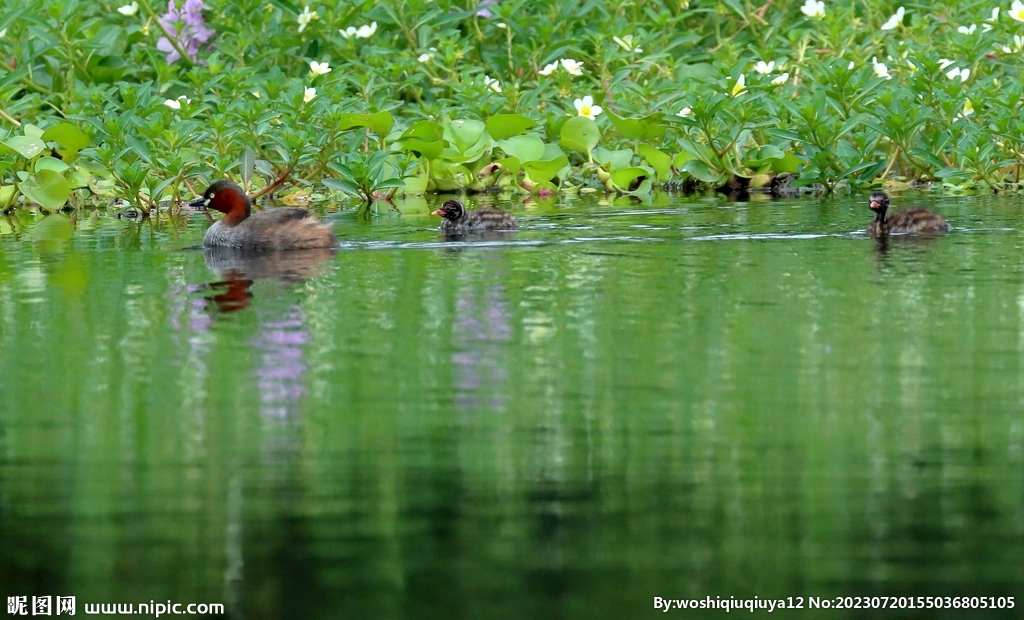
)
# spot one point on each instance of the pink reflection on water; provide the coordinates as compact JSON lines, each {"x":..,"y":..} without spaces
{"x":481,"y":332}
{"x":280,"y":376}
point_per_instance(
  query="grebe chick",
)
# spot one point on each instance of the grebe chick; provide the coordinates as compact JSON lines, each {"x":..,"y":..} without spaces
{"x":457,"y":220}
{"x":913,"y":221}
{"x":280,"y":228}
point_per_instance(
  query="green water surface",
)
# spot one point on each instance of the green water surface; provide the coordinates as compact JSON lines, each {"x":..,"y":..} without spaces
{"x":679,"y":398}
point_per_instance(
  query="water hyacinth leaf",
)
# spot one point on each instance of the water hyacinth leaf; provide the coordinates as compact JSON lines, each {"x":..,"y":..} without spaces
{"x":614,"y":160}
{"x":763,"y":155}
{"x":416,"y":184}
{"x":464,"y":134}
{"x":47,"y":188}
{"x":523,"y":148}
{"x":427,"y":131}
{"x":650,"y":128}
{"x":661,"y":162}
{"x":539,"y":171}
{"x":32,"y":131}
{"x":581,"y":134}
{"x":422,"y":148}
{"x":25,"y":146}
{"x":788,"y":163}
{"x":77,"y":178}
{"x":68,"y":136}
{"x":629,"y":179}
{"x":504,"y":126}
{"x":50,"y":163}
{"x":512,"y":165}
{"x":379,"y":123}
{"x":6,"y":194}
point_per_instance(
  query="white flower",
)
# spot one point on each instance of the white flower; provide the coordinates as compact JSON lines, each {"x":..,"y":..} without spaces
{"x":967,"y":29}
{"x":687,"y":111}
{"x":365,"y":32}
{"x":175,"y":104}
{"x":256,"y":94}
{"x":850,"y":66}
{"x":549,"y":69}
{"x":1018,"y":45}
{"x":3,"y":32}
{"x":626,"y":43}
{"x":492,"y":83}
{"x":308,"y":94}
{"x":963,"y":74}
{"x":967,"y":111}
{"x":880,"y":69}
{"x":782,"y":79}
{"x":994,"y":18}
{"x":425,"y":57}
{"x":129,"y":9}
{"x":944,"y":62}
{"x":764,"y":68}
{"x":572,"y":66}
{"x":586,"y":107}
{"x":813,"y":8}
{"x":895,"y":20}
{"x":305,"y":17}
{"x":501,"y":25}
{"x":348,"y":33}
{"x":319,"y":68}
{"x":740,"y":86}
{"x":1017,"y":10}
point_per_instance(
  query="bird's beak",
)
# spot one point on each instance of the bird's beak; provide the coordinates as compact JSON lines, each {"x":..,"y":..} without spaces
{"x":200,"y":203}
{"x":875,"y":204}
{"x":438,"y":212}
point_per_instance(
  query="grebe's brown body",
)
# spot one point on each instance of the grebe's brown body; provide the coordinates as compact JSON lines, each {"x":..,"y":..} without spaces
{"x":457,"y":220}
{"x":280,"y":228}
{"x":914,"y":221}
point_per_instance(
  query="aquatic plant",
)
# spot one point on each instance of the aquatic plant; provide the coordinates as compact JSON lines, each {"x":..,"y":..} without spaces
{"x":505,"y":96}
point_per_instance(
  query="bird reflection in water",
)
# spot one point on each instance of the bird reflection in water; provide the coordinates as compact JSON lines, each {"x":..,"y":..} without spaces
{"x":239,"y":270}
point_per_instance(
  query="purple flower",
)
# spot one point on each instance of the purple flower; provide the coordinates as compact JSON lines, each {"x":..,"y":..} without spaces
{"x":188,"y":28}
{"x":482,"y":12}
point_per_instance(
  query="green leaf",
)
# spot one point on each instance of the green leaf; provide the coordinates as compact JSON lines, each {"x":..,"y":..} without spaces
{"x":661,"y":162}
{"x":701,"y":171}
{"x":32,"y":131}
{"x":50,"y":163}
{"x":523,"y":148}
{"x":379,"y":123}
{"x":427,"y":131}
{"x":629,"y":179}
{"x":579,"y":133}
{"x":761,"y":156}
{"x":650,"y":128}
{"x":247,"y":164}
{"x":342,"y":186}
{"x":539,"y":171}
{"x":504,"y":126}
{"x":614,"y":160}
{"x":789,"y":163}
{"x":25,"y":146}
{"x":465,"y":133}
{"x":67,"y":135}
{"x":46,"y":187}
{"x":422,"y":148}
